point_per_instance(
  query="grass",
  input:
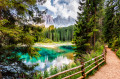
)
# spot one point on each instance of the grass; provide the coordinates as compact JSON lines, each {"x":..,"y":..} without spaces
{"x":118,"y":53}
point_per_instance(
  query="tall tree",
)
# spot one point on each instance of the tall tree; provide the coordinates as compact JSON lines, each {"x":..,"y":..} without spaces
{"x":81,"y":38}
{"x":111,"y":21}
{"x":108,"y":21}
{"x":12,"y":12}
{"x":86,"y":26}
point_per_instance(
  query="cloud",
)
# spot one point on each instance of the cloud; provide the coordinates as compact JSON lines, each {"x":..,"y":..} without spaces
{"x":64,"y":8}
{"x":49,"y":6}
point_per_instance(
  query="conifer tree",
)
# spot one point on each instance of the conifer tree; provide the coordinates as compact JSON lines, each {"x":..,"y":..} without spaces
{"x":12,"y":34}
{"x":81,"y":38}
{"x":86,"y":26}
{"x":112,"y":21}
{"x":108,"y":22}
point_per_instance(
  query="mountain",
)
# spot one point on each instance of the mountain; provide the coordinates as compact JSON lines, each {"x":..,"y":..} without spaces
{"x":48,"y":19}
{"x":58,"y":21}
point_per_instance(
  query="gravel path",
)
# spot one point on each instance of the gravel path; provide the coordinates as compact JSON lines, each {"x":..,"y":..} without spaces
{"x":111,"y":70}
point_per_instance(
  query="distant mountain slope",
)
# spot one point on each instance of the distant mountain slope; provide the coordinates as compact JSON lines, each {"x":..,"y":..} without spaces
{"x":58,"y":21}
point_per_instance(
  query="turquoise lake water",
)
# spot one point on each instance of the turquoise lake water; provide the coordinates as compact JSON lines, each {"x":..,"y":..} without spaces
{"x":49,"y":57}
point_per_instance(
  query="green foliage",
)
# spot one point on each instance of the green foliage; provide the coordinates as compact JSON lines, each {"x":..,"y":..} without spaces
{"x":16,"y":36}
{"x":37,"y":75}
{"x":53,"y":70}
{"x":118,"y":53}
{"x":4,"y":21}
{"x":87,"y":28}
{"x":99,"y":46}
{"x":46,"y":74}
{"x":115,"y":44}
{"x":46,"y":40}
{"x":88,"y":57}
{"x":111,"y":23}
{"x":59,"y":34}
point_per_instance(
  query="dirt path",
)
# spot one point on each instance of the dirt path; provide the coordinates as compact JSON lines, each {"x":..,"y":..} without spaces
{"x":111,"y":70}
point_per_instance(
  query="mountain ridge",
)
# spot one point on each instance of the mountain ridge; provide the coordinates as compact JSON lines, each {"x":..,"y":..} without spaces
{"x":58,"y":21}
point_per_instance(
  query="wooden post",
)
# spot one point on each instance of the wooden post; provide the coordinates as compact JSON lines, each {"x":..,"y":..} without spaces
{"x":23,"y":76}
{"x":40,"y":78}
{"x":105,"y":50}
{"x":36,"y":75}
{"x":105,"y":56}
{"x":19,"y":75}
{"x":83,"y":70}
{"x":0,"y":75}
{"x":96,"y":63}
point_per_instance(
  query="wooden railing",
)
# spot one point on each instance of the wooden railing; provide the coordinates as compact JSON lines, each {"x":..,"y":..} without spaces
{"x":98,"y":61}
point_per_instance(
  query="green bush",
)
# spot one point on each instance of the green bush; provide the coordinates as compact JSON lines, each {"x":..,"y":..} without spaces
{"x":118,"y":53}
{"x":116,"y":44}
{"x":37,"y":75}
{"x":46,"y":40}
{"x":98,"y":51}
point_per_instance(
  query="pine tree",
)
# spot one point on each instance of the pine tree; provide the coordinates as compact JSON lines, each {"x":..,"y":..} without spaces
{"x":112,"y":21}
{"x":108,"y":21}
{"x":81,"y":38}
{"x":86,"y":26}
{"x":11,"y":35}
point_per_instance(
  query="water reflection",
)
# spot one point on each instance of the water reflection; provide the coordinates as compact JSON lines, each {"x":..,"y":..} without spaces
{"x":50,"y":57}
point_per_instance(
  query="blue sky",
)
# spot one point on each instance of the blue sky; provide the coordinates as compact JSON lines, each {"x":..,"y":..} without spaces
{"x":64,"y":8}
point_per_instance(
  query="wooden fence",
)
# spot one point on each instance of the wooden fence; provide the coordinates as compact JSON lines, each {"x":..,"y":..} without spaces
{"x":98,"y":61}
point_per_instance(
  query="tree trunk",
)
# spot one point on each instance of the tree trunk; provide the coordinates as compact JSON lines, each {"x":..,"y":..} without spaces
{"x":0,"y":75}
{"x":0,"y":19}
{"x":95,"y":23}
{"x":0,"y":13}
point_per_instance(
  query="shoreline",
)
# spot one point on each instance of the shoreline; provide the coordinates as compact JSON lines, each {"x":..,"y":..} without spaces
{"x":51,"y":45}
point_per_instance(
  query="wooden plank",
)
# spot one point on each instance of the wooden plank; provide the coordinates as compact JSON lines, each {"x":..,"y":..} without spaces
{"x":101,"y":62}
{"x":64,"y":72}
{"x":94,"y":58}
{"x":72,"y":75}
{"x":99,"y":56}
{"x":90,"y":70}
{"x":93,"y":63}
{"x":89,"y":65}
{"x":88,"y":61}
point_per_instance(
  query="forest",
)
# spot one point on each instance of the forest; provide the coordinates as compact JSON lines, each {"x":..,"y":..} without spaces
{"x":97,"y":24}
{"x":59,"y":34}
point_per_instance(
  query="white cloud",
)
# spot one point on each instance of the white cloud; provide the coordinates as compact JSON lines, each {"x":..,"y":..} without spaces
{"x":65,"y":9}
{"x":49,"y":6}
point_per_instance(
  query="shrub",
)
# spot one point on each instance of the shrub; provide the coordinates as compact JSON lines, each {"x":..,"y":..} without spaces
{"x":46,"y":40}
{"x":118,"y":53}
{"x":37,"y":76}
{"x":116,"y":44}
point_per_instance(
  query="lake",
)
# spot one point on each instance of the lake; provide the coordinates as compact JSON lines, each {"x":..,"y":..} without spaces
{"x":50,"y":57}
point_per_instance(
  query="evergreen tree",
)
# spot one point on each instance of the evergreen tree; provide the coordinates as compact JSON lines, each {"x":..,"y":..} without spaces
{"x":86,"y":26}
{"x":111,"y":21}
{"x":108,"y":22}
{"x":12,"y":34}
{"x":81,"y":38}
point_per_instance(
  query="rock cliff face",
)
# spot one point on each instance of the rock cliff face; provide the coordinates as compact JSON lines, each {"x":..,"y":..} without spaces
{"x":58,"y":21}
{"x":48,"y":20}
